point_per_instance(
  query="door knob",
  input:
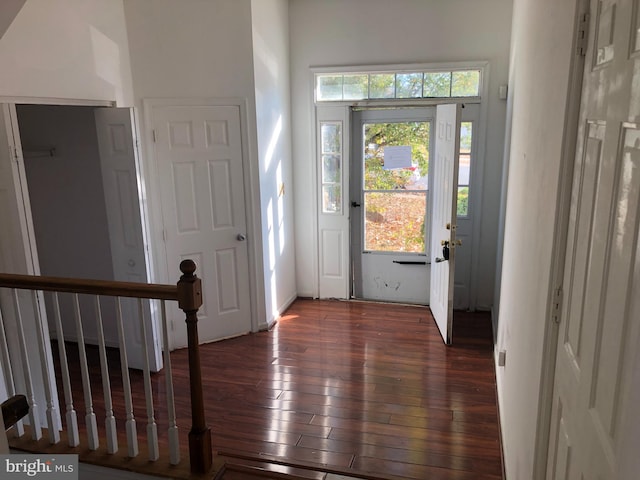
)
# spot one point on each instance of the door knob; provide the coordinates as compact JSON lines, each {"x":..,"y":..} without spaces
{"x":241,"y":237}
{"x":445,"y":251}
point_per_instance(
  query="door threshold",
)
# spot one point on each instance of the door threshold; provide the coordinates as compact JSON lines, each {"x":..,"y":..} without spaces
{"x":384,"y":302}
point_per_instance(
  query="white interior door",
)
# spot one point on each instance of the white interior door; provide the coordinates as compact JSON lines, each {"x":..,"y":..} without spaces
{"x":199,"y":155}
{"x":119,"y":165}
{"x":18,"y":254}
{"x":443,"y":217}
{"x":593,"y":412}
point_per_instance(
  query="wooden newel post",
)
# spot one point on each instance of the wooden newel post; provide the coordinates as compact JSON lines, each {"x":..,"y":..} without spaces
{"x":189,"y":301}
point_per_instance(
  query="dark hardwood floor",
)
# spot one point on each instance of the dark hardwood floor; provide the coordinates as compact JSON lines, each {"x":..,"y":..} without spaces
{"x":352,"y":386}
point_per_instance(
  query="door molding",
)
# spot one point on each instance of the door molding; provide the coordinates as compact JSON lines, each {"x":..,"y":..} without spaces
{"x":72,"y":102}
{"x":168,"y":273}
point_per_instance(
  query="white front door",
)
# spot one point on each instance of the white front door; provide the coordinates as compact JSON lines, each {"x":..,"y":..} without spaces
{"x":199,"y":155}
{"x":389,"y":222}
{"x":119,"y":162}
{"x":600,"y":318}
{"x":443,"y":218}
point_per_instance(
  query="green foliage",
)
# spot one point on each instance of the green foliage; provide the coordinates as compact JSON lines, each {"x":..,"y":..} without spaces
{"x":437,"y":84}
{"x":380,"y":135}
{"x":409,"y":85}
{"x":463,"y":201}
{"x":382,"y":85}
{"x":465,"y":83}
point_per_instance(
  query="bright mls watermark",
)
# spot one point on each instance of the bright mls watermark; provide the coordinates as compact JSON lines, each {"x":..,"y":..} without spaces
{"x":52,"y":467}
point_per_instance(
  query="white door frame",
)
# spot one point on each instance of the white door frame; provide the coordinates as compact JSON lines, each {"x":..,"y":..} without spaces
{"x":554,"y":296}
{"x":12,"y":101}
{"x":169,"y":273}
{"x":477,"y":172}
{"x":142,"y":187}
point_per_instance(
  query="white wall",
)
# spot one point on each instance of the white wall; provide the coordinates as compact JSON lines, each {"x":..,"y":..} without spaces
{"x":197,"y":49}
{"x":374,"y":32}
{"x":67,"y":49}
{"x":539,"y":80}
{"x":271,"y":71}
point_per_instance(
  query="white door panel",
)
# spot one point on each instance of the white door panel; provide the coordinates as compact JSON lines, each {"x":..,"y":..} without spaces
{"x":443,"y":217}
{"x":199,"y":157}
{"x":118,"y":162}
{"x":598,"y":334}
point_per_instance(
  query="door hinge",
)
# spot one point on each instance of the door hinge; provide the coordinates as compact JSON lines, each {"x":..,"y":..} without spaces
{"x":583,"y":35}
{"x":15,"y":154}
{"x":153,"y":133}
{"x":556,"y":306}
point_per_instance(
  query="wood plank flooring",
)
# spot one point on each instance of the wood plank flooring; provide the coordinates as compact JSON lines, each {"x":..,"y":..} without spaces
{"x":350,"y":386}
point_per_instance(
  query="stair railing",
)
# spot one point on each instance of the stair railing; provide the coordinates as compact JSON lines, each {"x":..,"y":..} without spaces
{"x":188,"y":295}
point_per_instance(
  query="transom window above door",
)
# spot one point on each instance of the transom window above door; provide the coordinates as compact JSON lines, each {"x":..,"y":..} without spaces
{"x":336,"y":87}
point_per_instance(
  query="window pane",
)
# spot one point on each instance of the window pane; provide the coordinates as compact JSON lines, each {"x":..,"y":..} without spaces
{"x":464,"y":172}
{"x":331,"y":134}
{"x":331,"y":169}
{"x":394,"y":221}
{"x":329,"y":87}
{"x":437,"y":84}
{"x":356,"y":87}
{"x":378,"y":136}
{"x":382,"y":85}
{"x":409,"y":85}
{"x":465,"y":84}
{"x":463,"y":201}
{"x":331,"y":199}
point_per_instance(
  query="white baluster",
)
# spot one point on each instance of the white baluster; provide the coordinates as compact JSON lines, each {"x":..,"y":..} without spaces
{"x":132,"y":434}
{"x":109,"y":420}
{"x":90,"y":416}
{"x":73,"y":436}
{"x":52,"y":411}
{"x":174,"y":445}
{"x":34,"y":417}
{"x":152,"y":428}
{"x":18,"y":428}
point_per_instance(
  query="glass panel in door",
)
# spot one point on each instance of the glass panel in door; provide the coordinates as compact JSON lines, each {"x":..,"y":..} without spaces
{"x":396,"y":168}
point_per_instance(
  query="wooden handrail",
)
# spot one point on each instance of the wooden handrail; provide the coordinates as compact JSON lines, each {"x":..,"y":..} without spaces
{"x":91,"y":287}
{"x":188,"y":294}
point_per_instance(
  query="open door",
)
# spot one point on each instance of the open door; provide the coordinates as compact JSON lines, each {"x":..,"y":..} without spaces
{"x":18,"y":255}
{"x":389,"y":232}
{"x":443,"y":217}
{"x":119,"y":164}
